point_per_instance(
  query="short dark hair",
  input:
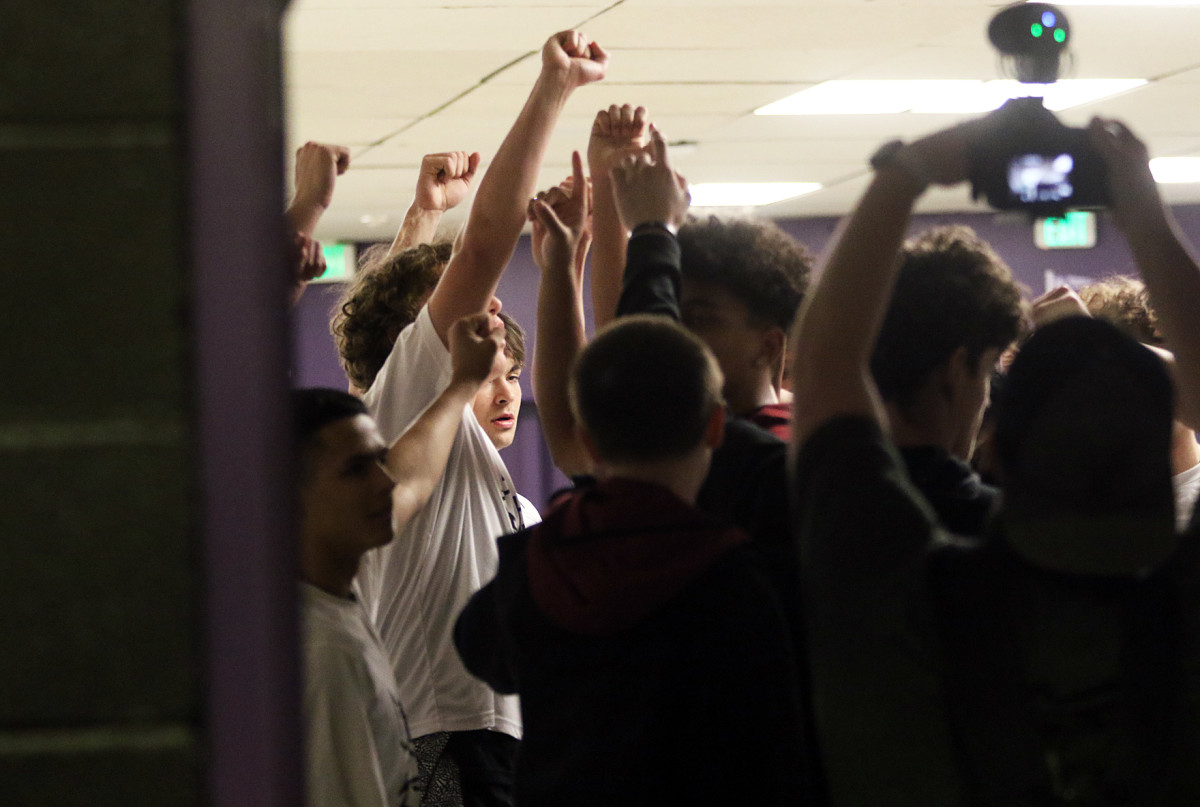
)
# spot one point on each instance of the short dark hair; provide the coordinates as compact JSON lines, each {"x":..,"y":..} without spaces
{"x":384,"y":298}
{"x":755,"y":261}
{"x":645,"y":389}
{"x":314,"y":408}
{"x":1083,"y":423}
{"x":952,"y":290}
{"x":1124,"y":302}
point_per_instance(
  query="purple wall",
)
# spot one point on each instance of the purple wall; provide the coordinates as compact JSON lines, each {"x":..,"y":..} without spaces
{"x":315,"y":359}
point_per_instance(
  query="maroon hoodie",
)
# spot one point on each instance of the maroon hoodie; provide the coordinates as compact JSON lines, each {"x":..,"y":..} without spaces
{"x":605,"y":558}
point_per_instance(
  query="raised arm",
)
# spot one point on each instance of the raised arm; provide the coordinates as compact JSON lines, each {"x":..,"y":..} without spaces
{"x":418,"y":457}
{"x":559,"y":218}
{"x":569,"y":60}
{"x":444,"y":182}
{"x":318,"y":166}
{"x":616,"y":132}
{"x":839,"y":321}
{"x":652,"y":202}
{"x":1163,"y":257}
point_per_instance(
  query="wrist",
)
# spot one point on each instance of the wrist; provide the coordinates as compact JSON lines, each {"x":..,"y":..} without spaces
{"x":416,"y":213}
{"x":657,"y":227}
{"x":897,"y":159}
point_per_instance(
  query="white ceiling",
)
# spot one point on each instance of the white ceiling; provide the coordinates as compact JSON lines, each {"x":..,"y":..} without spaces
{"x":395,"y":79}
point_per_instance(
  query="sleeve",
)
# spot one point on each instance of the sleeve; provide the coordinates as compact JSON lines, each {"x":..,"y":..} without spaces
{"x":414,"y":374}
{"x":343,"y":758}
{"x":652,"y":276}
{"x":863,"y":534}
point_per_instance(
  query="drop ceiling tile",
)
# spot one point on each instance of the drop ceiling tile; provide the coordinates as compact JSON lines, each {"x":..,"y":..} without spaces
{"x":702,"y":65}
{"x":1133,"y":42}
{"x":392,"y":69}
{"x":345,"y":131}
{"x":1156,"y":109}
{"x":457,"y":27}
{"x":781,"y":27}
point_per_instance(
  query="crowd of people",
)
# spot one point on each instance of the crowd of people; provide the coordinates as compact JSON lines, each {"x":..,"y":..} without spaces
{"x":893,"y":536}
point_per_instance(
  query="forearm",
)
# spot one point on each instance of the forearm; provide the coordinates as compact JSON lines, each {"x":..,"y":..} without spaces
{"x":609,"y":239}
{"x":840,"y":320}
{"x":303,"y":214}
{"x":419,"y":227}
{"x":418,"y":458}
{"x":498,"y":212}
{"x":561,"y":337}
{"x":1172,"y":277}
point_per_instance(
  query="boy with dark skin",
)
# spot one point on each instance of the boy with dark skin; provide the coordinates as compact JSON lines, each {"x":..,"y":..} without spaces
{"x":742,"y":279}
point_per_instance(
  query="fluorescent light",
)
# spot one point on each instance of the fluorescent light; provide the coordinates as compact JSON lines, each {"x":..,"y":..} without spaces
{"x":1171,"y":170}
{"x":970,"y":96}
{"x":945,"y":96}
{"x":1075,"y":92}
{"x":862,"y":97}
{"x":747,"y":194}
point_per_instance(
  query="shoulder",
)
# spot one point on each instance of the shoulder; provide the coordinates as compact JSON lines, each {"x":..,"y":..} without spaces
{"x":413,"y":369}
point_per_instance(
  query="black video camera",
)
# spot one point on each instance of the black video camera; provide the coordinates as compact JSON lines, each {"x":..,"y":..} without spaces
{"x":1032,"y":161}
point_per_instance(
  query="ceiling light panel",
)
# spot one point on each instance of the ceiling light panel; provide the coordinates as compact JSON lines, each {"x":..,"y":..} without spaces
{"x":1175,"y":170}
{"x":953,"y":96}
{"x":747,"y":194}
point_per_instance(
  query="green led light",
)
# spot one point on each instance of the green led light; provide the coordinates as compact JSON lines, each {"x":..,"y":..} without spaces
{"x":1060,"y":35}
{"x":1036,"y":29}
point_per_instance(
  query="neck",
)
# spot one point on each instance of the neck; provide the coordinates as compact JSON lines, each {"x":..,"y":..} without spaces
{"x":682,"y":475}
{"x":328,"y":573}
{"x":757,"y":395}
{"x":1185,"y":451}
{"x":910,"y":430}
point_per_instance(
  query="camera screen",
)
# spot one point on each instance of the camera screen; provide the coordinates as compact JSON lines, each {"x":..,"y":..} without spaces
{"x":1034,"y":178}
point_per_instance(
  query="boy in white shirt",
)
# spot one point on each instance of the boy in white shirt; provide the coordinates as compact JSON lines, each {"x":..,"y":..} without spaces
{"x":391,"y":333}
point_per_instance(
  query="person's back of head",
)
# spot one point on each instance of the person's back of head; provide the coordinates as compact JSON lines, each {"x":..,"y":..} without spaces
{"x":1083,"y":433}
{"x":384,"y":299}
{"x":952,"y":291}
{"x":645,"y":390}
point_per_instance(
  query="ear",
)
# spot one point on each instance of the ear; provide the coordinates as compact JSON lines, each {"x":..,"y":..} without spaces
{"x":957,"y":373}
{"x":714,"y":433}
{"x":770,"y":351}
{"x":589,"y":445}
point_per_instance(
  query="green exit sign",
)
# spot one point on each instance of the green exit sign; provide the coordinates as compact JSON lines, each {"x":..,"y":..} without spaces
{"x":1075,"y":230}
{"x":339,"y":263}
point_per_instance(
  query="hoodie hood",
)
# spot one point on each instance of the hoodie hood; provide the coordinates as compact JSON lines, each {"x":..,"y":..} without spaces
{"x":606,"y":557}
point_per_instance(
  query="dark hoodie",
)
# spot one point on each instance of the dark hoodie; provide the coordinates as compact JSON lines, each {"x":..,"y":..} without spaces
{"x":650,"y":652}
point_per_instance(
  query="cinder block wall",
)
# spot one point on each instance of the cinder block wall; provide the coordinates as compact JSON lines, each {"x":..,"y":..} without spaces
{"x":111,"y":458}
{"x":100,"y":676}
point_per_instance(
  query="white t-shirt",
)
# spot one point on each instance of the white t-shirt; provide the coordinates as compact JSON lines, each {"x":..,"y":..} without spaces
{"x":416,"y":586}
{"x":1187,"y":487}
{"x":359,"y":751}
